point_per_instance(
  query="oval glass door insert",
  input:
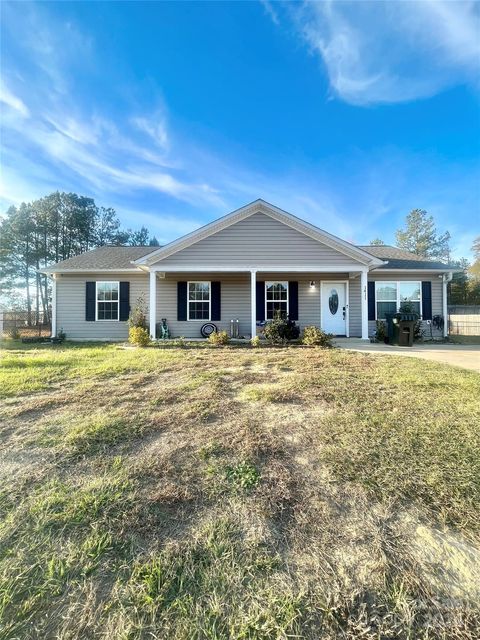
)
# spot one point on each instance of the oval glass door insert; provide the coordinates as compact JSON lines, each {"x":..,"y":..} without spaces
{"x":333,"y":302}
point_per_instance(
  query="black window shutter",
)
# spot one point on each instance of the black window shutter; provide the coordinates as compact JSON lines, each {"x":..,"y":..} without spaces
{"x":181,"y":300}
{"x":371,"y":300}
{"x":216,"y":301}
{"x":260,"y":295}
{"x":124,"y":300}
{"x":90,"y":301}
{"x":293,"y":300}
{"x":426,"y":300}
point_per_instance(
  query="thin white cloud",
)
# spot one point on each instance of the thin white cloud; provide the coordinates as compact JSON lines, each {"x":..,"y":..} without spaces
{"x":388,"y":52}
{"x":270,"y":11}
{"x":130,"y":154}
{"x":12,"y":101}
{"x":139,"y":157}
{"x":155,"y":127}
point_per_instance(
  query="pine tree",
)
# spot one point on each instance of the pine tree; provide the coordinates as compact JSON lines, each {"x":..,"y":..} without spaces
{"x":422,"y":238}
{"x":475,"y":267}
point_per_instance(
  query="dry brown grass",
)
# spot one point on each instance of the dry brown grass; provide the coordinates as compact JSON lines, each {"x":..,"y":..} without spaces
{"x":237,"y":493}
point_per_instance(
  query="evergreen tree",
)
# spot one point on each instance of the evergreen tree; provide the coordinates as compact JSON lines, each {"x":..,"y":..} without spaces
{"x":421,"y":237}
{"x":138,"y":238}
{"x":475,"y":267}
{"x":54,"y":228}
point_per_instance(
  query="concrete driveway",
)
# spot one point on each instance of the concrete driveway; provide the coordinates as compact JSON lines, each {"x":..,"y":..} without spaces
{"x":457,"y":355}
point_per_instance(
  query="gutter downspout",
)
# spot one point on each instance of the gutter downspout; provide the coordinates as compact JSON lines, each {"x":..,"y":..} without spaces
{"x":446,"y":278}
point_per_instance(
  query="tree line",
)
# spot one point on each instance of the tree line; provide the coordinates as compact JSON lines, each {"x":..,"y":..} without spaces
{"x":421,"y":237}
{"x":62,"y":225}
{"x":59,"y":226}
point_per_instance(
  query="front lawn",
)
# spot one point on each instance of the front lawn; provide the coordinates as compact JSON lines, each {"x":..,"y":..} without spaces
{"x":236,"y":493}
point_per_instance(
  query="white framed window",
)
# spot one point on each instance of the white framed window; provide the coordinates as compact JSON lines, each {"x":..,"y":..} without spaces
{"x":389,"y":297}
{"x":411,"y":292}
{"x":199,"y":300}
{"x":276,"y":299}
{"x":107,"y":301}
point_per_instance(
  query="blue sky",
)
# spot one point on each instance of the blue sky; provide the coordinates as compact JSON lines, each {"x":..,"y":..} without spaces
{"x":346,"y":114}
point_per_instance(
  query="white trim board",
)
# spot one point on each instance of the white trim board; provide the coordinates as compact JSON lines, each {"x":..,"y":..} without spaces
{"x":314,"y":270}
{"x":209,"y":282}
{"x":97,"y":319}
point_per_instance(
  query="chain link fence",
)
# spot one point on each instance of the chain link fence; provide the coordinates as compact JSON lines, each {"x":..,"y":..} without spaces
{"x":15,"y":324}
{"x":464,"y":320}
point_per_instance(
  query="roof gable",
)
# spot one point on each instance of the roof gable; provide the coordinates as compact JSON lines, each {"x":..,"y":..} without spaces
{"x":260,"y":206}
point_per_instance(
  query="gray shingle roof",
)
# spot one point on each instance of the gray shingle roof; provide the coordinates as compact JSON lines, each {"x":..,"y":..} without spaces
{"x":103,"y":258}
{"x":401,"y":259}
{"x":121,"y":258}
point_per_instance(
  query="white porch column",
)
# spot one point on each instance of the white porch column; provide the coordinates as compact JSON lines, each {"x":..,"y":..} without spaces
{"x":153,"y":303}
{"x":253,"y":301}
{"x":364,"y":288}
{"x":54,"y":306}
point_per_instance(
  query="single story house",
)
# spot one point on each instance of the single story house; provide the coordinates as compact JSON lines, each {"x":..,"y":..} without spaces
{"x":244,"y":267}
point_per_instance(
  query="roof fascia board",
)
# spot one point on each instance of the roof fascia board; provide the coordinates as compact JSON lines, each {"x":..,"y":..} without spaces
{"x":90,"y":270}
{"x":342,"y":268}
{"x":260,"y":206}
{"x":425,"y":270}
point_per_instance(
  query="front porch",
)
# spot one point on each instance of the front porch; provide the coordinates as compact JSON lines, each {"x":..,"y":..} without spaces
{"x":332,"y":299}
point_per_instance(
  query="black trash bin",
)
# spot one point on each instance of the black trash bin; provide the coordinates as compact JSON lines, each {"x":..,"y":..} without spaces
{"x":392,"y":327}
{"x":405,"y":337}
{"x":406,"y":325}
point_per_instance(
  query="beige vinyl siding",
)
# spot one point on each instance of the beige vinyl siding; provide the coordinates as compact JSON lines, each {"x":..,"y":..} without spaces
{"x":355,"y":307}
{"x":258,"y":241}
{"x":71,"y":305}
{"x":235,"y":300}
{"x":437,"y":292}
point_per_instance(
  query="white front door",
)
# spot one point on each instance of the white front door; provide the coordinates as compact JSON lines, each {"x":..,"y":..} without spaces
{"x":334,"y":308}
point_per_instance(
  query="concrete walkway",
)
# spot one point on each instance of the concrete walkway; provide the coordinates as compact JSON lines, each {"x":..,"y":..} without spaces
{"x":457,"y":355}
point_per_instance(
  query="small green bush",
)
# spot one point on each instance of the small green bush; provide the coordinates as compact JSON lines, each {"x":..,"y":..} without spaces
{"x":139,"y":336}
{"x":255,"y":341}
{"x":138,"y":314}
{"x":315,"y":336}
{"x":280,"y":330}
{"x":381,"y":330}
{"x":219,"y":338}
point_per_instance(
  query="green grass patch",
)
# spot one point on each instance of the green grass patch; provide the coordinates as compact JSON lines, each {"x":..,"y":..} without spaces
{"x":217,"y":585}
{"x":275,"y":493}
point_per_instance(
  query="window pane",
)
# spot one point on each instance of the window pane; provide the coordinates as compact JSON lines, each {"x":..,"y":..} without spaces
{"x":199,"y":291}
{"x":273,"y":307}
{"x":385,"y":307}
{"x":277,"y":291}
{"x":100,"y":290}
{"x":108,"y":310}
{"x":409,"y":291}
{"x":198,"y":310}
{"x":416,"y":307}
{"x":107,"y":291}
{"x":386,"y":291}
